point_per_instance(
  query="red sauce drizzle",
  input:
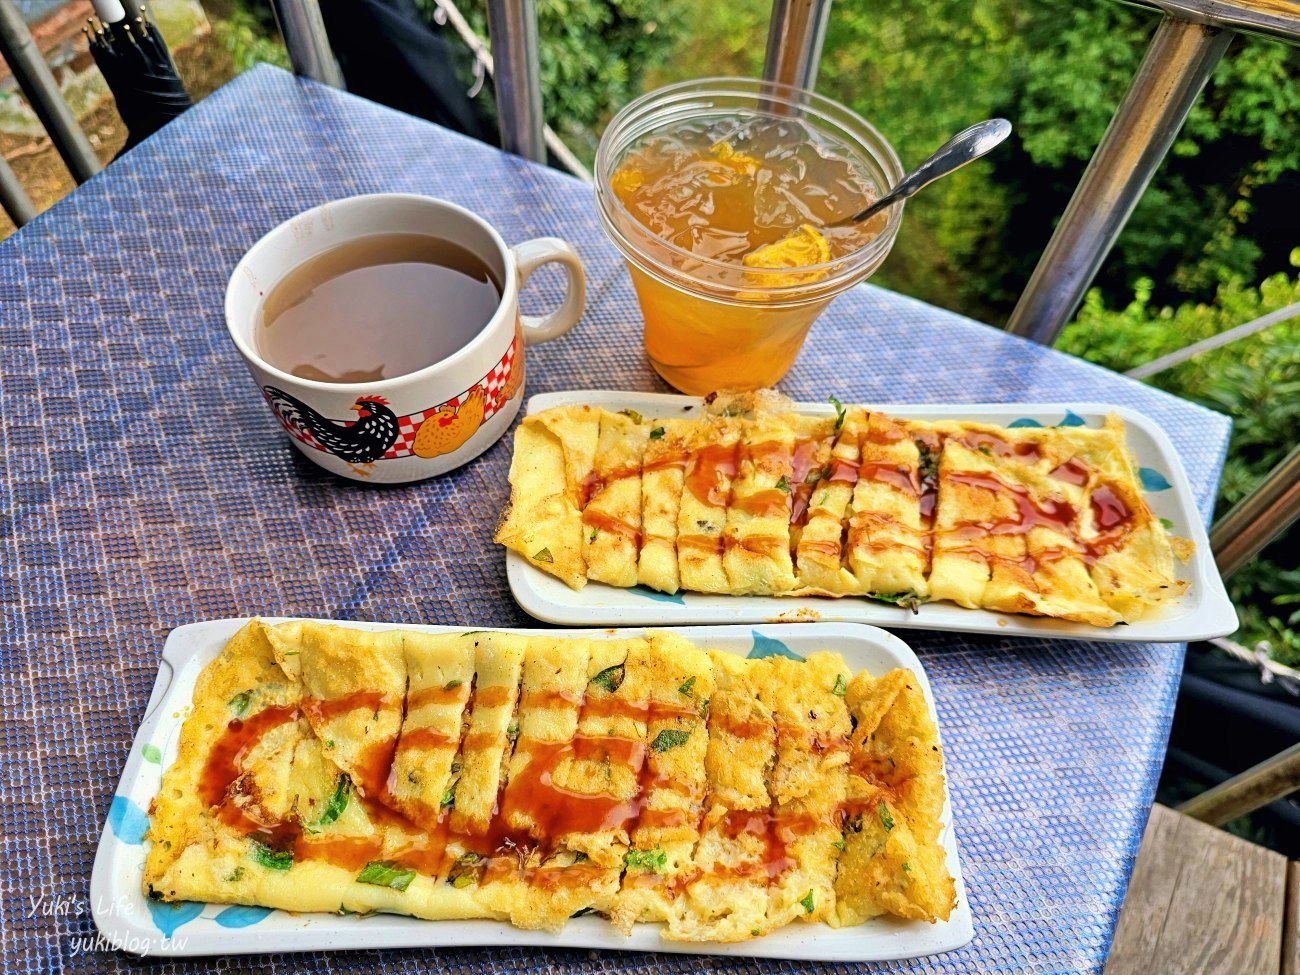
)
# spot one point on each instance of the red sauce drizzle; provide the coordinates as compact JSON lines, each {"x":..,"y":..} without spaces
{"x":709,"y":473}
{"x":1054,"y":514}
{"x":225,"y":761}
{"x":900,"y":476}
{"x":438,"y":694}
{"x":1073,"y":471}
{"x":614,"y":526}
{"x":598,"y":481}
{"x":768,"y":503}
{"x":1108,"y":509}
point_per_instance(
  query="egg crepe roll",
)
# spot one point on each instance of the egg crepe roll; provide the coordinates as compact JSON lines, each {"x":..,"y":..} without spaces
{"x":554,"y":454}
{"x":714,"y":447}
{"x":756,"y":539}
{"x":821,"y":558}
{"x":662,"y":482}
{"x":887,"y":537}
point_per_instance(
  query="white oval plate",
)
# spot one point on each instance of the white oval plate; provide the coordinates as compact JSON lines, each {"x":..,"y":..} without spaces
{"x":132,"y":922}
{"x":1204,"y":611}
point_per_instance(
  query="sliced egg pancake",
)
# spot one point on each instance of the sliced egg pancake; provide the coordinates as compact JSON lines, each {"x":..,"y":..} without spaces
{"x":611,"y":518}
{"x":821,"y":552}
{"x":712,"y":462}
{"x":749,"y":497}
{"x":663,"y":471}
{"x":554,"y":455}
{"x":659,"y":859}
{"x":756,"y":539}
{"x":892,"y":861}
{"x":888,"y":529}
{"x":533,"y":778}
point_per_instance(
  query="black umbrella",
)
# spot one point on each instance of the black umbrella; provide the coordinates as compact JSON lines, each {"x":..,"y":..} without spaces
{"x":134,"y":60}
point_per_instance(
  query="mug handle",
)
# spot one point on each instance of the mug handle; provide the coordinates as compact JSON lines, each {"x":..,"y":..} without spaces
{"x":529,"y":256}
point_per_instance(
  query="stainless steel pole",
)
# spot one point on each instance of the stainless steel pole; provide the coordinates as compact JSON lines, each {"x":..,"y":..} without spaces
{"x":42,"y":91}
{"x":1253,"y":789}
{"x":306,"y":40}
{"x":13,"y":197}
{"x":1177,"y":64}
{"x":512,"y":30}
{"x":1259,"y":517}
{"x":795,"y":36}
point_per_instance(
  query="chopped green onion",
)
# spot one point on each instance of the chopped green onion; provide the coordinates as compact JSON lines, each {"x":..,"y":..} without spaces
{"x":272,"y":859}
{"x":386,"y":873}
{"x":334,"y":808}
{"x":544,"y":555}
{"x":670,"y":738}
{"x":657,"y":433}
{"x":840,"y":412}
{"x":783,"y":485}
{"x":807,"y":902}
{"x":611,"y":678}
{"x":464,"y":871}
{"x":239,"y":703}
{"x":886,"y":818}
{"x":634,"y":415}
{"x":686,"y":688}
{"x":840,"y":688}
{"x":653,"y":860}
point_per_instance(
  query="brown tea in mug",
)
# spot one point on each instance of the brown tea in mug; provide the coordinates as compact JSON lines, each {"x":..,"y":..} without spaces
{"x":377,"y":307}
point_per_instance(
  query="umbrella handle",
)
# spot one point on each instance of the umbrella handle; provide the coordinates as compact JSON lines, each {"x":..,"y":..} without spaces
{"x":109,"y":11}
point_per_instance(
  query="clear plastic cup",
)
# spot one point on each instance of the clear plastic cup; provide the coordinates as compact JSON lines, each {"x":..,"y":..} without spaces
{"x":715,"y":324}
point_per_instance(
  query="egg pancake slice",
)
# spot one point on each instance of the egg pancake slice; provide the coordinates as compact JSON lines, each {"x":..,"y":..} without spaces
{"x":662,"y":479}
{"x":611,"y":518}
{"x":553,"y":458}
{"x":714,"y":457}
{"x":756,"y":539}
{"x":888,"y":524}
{"x":892,"y":861}
{"x":820,"y":550}
{"x":659,"y":858}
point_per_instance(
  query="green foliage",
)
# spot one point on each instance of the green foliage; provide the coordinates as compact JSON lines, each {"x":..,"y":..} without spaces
{"x":248,"y":32}
{"x":594,"y":55}
{"x":1256,"y":381}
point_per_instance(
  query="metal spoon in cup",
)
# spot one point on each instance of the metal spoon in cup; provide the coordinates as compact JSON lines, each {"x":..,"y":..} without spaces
{"x":807,"y":245}
{"x":966,"y":146}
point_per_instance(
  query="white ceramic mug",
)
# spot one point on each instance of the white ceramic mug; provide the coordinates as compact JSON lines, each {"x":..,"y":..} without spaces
{"x":391,"y":431}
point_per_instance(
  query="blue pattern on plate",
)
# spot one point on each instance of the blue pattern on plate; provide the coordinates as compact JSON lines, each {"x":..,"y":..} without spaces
{"x":1072,"y":419}
{"x":167,"y":917}
{"x":241,"y":916}
{"x":765,"y":646}
{"x":1153,"y":480}
{"x":127,"y":821}
{"x":663,"y":597}
{"x":1024,"y":421}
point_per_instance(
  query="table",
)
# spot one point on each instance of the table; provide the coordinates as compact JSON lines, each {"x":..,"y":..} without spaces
{"x":145,"y":486}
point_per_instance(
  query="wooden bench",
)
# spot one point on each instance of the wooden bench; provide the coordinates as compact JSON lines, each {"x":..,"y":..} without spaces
{"x":1203,"y":900}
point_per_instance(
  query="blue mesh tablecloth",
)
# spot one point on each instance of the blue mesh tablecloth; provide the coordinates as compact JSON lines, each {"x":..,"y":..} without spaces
{"x":144,"y":485}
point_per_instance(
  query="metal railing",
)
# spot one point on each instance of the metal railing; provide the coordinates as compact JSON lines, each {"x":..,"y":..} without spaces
{"x":37,"y":82}
{"x":1189,"y":42}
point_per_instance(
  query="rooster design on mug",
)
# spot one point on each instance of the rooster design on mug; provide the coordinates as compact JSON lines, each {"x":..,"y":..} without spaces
{"x":451,"y":427}
{"x":363,"y":441}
